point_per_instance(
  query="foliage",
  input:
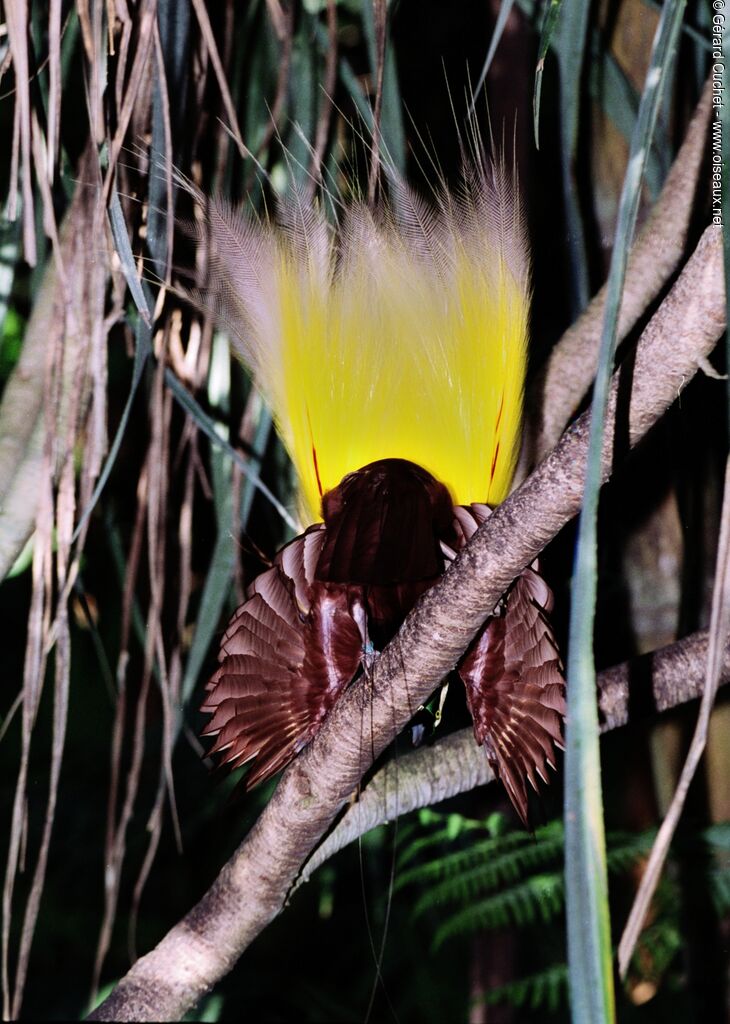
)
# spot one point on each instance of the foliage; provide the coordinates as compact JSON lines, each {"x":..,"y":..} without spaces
{"x":141,"y":484}
{"x":502,"y":877}
{"x":474,"y":875}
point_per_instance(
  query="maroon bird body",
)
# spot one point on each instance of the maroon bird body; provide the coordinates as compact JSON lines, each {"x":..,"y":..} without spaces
{"x":343,"y":588}
{"x":399,"y":332}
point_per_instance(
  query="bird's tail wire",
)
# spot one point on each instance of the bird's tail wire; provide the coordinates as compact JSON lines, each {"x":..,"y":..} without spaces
{"x":377,"y":948}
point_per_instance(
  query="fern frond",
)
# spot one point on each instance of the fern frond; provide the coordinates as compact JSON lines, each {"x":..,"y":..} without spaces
{"x":446,"y":828}
{"x":626,"y":848}
{"x":504,"y":869}
{"x":543,"y":990}
{"x":514,"y":862}
{"x":719,"y":886}
{"x":476,"y":854}
{"x":658,"y":944}
{"x":539,"y":898}
{"x":717,"y":838}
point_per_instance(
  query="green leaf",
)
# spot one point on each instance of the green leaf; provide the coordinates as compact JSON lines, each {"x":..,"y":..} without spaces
{"x":566,"y":36}
{"x":304,"y":97}
{"x":620,"y":102}
{"x":11,"y":341}
{"x":505,"y":9}
{"x":392,"y":134}
{"x":142,"y":350}
{"x":545,"y":989}
{"x":220,"y":570}
{"x":538,"y":898}
{"x":140,"y":293}
{"x":9,"y":242}
{"x":589,"y":947}
{"x":570,"y":49}
{"x":208,"y":426}
{"x":24,"y":559}
{"x":546,"y":36}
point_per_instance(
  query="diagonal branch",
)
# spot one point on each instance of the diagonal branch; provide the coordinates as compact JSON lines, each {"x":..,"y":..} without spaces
{"x":651,"y":683}
{"x":252,"y":887}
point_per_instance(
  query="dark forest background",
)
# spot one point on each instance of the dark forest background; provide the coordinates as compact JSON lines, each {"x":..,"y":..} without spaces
{"x":110,"y":620}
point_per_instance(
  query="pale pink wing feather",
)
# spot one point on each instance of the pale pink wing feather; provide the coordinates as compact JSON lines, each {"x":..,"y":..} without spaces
{"x":288,"y":653}
{"x":514,"y":681}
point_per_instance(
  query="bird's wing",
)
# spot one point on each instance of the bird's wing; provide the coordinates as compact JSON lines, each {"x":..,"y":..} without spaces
{"x":289,"y":651}
{"x":514,"y":681}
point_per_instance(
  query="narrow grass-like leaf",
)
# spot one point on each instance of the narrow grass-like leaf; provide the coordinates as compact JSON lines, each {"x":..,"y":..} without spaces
{"x":692,"y":33}
{"x":348,"y":78}
{"x":140,"y":293}
{"x":505,"y":9}
{"x":304,"y":90}
{"x":23,"y":561}
{"x":8,"y":259}
{"x":207,"y":425}
{"x":718,"y":634}
{"x":116,"y":546}
{"x":589,"y":933}
{"x":105,"y":668}
{"x":222,"y":563}
{"x":546,"y":35}
{"x":392,"y":133}
{"x":569,"y":43}
{"x":396,"y":157}
{"x":717,"y":842}
{"x":261,"y":439}
{"x":142,"y":350}
{"x":69,"y":39}
{"x":215,"y":590}
{"x":169,"y":104}
{"x":260,"y":80}
{"x":209,"y":1012}
{"x":566,"y":36}
{"x":611,"y":88}
{"x":718,"y":836}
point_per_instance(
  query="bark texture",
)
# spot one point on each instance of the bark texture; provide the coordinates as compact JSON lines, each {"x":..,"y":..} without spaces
{"x":653,"y":683}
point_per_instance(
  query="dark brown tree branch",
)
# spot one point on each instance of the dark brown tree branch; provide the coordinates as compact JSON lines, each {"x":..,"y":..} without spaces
{"x":654,"y":682}
{"x":251,"y":889}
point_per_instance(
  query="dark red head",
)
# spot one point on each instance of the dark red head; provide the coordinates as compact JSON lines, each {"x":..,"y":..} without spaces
{"x":384,"y":524}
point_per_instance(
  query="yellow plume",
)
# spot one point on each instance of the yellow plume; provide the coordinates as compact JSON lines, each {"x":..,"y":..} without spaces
{"x":401,"y":335}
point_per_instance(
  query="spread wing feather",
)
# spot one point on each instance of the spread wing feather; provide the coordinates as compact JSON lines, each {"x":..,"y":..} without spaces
{"x":288,"y":653}
{"x":296,"y":643}
{"x":513,"y":677}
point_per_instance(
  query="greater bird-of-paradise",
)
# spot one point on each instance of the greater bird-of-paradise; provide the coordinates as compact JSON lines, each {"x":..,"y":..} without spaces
{"x":392,"y":352}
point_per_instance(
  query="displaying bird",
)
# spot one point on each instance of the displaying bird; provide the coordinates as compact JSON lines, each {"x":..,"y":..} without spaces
{"x":391,"y":350}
